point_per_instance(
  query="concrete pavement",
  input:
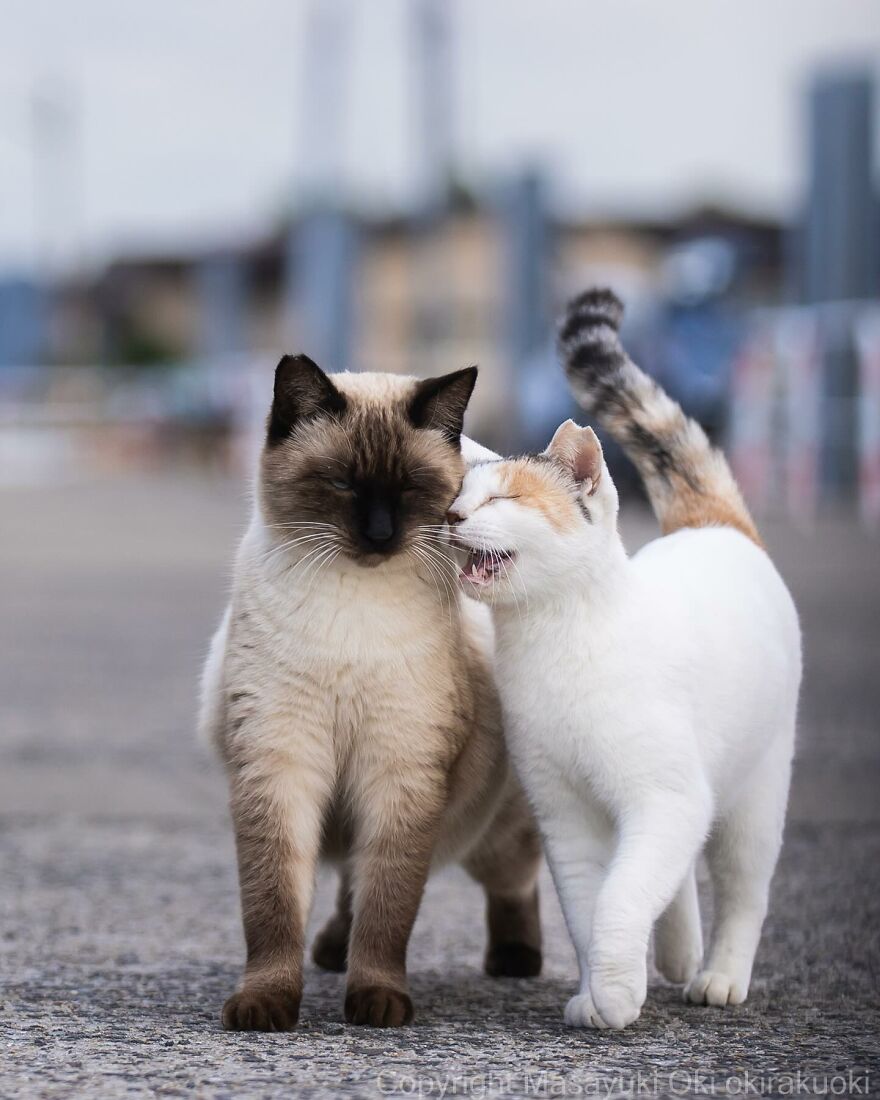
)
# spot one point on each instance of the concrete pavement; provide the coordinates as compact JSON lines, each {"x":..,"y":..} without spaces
{"x":119,"y":926}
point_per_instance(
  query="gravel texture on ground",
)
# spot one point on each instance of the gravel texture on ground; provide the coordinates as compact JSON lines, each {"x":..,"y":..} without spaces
{"x":119,"y":926}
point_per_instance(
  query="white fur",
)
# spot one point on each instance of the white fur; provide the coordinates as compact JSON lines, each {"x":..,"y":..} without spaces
{"x":650,"y":709}
{"x":472,"y":452}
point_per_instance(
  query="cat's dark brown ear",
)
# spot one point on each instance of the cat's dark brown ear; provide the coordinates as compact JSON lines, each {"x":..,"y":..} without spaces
{"x":302,"y":390}
{"x":580,"y":452}
{"x":441,"y":402}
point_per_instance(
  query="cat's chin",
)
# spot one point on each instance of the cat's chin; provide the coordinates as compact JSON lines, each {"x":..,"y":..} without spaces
{"x":395,"y":558}
{"x":370,"y":560}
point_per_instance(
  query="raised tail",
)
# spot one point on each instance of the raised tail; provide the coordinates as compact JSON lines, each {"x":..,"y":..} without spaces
{"x":688,"y":481}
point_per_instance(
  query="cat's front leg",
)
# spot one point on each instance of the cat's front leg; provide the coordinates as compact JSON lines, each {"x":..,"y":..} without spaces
{"x":658,"y":841}
{"x":577,"y":842}
{"x":396,"y":812}
{"x":280,"y":785}
{"x":742,"y":854}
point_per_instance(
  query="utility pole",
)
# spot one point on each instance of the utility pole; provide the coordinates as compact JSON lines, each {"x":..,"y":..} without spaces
{"x":841,"y":255}
{"x":433,"y":53}
{"x":434,"y":300}
{"x":56,"y":202}
{"x":54,"y":143}
{"x":521,"y":211}
{"x":321,"y":249}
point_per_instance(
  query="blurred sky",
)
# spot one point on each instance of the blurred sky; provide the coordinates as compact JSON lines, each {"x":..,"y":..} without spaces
{"x":191,"y":115}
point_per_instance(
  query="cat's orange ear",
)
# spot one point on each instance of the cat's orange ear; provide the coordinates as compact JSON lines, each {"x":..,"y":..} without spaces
{"x":579,"y":451}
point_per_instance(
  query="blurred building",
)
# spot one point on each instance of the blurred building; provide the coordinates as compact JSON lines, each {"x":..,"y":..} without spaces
{"x":766,"y":331}
{"x":24,"y":310}
{"x":155,"y":309}
{"x":479,"y":282}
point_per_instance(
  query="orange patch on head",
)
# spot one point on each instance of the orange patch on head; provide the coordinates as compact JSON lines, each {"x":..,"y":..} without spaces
{"x":539,"y":486}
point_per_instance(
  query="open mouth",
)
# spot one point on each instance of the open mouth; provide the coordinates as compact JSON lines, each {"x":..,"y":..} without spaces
{"x":483,"y":566}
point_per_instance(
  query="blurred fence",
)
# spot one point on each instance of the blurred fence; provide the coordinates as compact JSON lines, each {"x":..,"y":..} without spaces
{"x":62,"y":422}
{"x":798,"y":441}
{"x":805,"y":410}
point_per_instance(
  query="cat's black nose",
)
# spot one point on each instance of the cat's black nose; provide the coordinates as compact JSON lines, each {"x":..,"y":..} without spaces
{"x":453,"y":517}
{"x":379,"y":525}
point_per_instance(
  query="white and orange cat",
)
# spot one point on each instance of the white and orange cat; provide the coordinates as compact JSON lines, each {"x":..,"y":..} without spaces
{"x":649,"y":701}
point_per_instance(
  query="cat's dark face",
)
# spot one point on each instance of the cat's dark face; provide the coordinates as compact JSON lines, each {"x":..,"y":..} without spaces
{"x":369,"y":462}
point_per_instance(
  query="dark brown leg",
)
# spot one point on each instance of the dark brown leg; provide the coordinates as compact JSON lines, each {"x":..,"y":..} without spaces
{"x":330,"y":949}
{"x":393,"y":853}
{"x":506,"y":863}
{"x":514,"y":949}
{"x":277,"y":822}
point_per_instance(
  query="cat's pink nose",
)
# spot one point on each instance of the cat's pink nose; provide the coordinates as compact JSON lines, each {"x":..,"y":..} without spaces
{"x":452,"y":518}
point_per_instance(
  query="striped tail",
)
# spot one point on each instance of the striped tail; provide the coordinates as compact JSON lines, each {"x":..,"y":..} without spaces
{"x":688,"y":481}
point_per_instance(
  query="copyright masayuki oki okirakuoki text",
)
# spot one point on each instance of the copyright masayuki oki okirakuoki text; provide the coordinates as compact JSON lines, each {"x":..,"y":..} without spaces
{"x":641,"y":1083}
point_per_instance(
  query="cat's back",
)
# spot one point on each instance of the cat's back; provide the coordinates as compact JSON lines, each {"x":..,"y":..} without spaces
{"x":718,"y":568}
{"x":722,"y":613}
{"x":722,"y":642}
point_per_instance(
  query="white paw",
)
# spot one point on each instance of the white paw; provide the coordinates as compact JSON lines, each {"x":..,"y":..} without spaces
{"x":712,"y":987}
{"x":581,"y":1012}
{"x":677,"y":962}
{"x":619,"y":997}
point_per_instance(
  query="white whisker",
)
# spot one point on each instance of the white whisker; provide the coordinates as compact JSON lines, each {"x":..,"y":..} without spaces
{"x":317,"y":566}
{"x":299,"y":541}
{"x":446,"y":594}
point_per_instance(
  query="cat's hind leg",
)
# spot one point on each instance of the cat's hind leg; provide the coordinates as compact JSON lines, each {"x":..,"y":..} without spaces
{"x":742,"y":854}
{"x":659,"y":839}
{"x":506,"y":863}
{"x":678,"y":937}
{"x":330,"y":949}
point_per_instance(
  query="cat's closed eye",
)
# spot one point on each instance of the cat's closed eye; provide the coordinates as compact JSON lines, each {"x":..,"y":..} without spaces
{"x":340,"y":484}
